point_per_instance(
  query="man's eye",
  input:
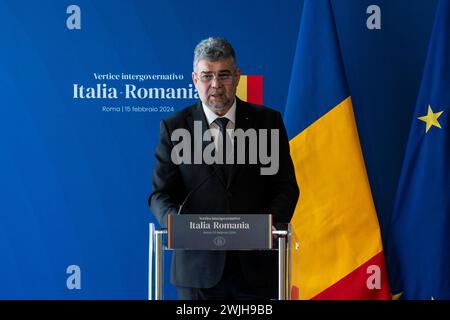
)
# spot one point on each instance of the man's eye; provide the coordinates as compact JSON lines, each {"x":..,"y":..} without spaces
{"x":224,"y":76}
{"x":207,"y":77}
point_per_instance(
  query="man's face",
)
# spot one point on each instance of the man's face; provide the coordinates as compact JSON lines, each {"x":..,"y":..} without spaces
{"x":216,"y":83}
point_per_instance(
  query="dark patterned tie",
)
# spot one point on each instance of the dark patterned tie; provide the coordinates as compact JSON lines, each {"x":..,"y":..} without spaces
{"x":222,"y":124}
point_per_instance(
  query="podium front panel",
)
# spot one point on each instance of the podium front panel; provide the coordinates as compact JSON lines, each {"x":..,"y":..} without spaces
{"x":220,"y":232}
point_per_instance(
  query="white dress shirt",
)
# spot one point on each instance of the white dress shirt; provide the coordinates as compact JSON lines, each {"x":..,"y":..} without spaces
{"x":211,"y":117}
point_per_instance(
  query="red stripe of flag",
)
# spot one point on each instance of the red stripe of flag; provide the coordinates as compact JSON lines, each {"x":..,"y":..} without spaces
{"x":255,"y":89}
{"x":354,"y":285}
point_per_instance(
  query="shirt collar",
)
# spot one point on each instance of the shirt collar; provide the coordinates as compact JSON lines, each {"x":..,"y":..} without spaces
{"x":211,"y":116}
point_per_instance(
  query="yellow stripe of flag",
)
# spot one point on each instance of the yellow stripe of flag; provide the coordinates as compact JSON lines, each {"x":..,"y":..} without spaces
{"x":335,"y":220}
{"x":241,"y":90}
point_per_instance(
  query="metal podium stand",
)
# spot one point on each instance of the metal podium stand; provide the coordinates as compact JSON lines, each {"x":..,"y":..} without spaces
{"x":156,"y":262}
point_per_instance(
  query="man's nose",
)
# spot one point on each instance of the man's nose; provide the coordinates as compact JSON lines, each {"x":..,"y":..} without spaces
{"x":215,"y":82}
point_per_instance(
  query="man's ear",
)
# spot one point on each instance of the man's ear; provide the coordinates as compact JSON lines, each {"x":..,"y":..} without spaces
{"x":194,"y":79}
{"x":238,"y":76}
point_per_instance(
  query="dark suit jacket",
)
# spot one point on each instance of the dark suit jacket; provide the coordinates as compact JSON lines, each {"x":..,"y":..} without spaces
{"x":246,"y":192}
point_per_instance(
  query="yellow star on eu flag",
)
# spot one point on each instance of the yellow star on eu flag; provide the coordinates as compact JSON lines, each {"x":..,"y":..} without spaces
{"x":396,"y":296}
{"x":431,"y":119}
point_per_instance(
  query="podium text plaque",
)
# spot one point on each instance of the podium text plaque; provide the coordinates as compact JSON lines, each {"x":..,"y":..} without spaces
{"x":220,"y":232}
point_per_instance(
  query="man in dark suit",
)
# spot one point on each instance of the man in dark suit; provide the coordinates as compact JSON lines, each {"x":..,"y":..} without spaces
{"x":222,"y":188}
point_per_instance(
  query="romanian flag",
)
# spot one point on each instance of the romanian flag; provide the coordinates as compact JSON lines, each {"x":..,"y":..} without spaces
{"x":337,"y":251}
{"x":250,"y":89}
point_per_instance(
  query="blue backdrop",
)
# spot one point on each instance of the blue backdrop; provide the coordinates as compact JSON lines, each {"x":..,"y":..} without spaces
{"x":75,"y":176}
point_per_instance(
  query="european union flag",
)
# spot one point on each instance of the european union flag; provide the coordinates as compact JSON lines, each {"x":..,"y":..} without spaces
{"x":419,"y":245}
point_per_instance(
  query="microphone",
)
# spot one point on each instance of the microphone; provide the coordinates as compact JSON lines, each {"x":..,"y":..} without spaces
{"x":197,"y":187}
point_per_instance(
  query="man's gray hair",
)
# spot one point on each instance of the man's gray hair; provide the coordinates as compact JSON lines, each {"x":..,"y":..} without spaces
{"x":213,"y":49}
